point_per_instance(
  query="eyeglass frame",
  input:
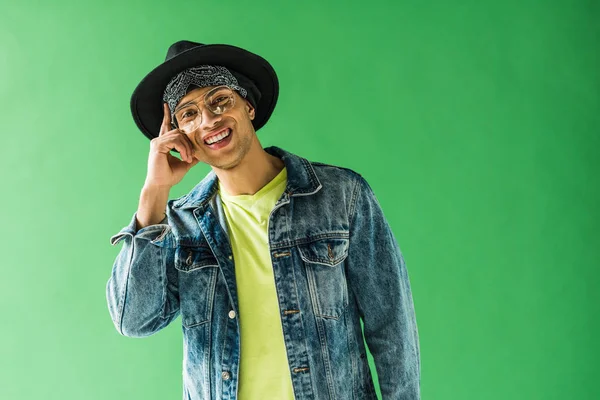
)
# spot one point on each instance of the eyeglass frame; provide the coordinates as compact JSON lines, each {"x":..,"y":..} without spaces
{"x":216,"y":88}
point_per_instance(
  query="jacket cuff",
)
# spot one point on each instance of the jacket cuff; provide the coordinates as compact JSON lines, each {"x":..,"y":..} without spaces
{"x":150,"y":232}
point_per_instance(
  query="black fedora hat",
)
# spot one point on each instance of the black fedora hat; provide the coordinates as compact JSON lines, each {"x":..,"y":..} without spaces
{"x":146,"y":100}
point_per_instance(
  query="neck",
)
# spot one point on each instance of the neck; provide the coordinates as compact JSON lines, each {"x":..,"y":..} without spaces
{"x":256,"y":169}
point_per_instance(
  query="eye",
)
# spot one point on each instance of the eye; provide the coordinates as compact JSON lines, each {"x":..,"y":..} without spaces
{"x":187,"y":114}
{"x":219,"y":100}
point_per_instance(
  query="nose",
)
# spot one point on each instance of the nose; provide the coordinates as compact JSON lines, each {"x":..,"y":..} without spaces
{"x":209,"y":119}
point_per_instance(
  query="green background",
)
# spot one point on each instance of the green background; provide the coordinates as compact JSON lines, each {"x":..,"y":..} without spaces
{"x":475,"y":122}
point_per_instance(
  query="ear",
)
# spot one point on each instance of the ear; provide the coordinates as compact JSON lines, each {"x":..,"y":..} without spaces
{"x":250,"y":110}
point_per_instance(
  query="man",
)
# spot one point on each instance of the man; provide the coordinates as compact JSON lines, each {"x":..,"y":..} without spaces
{"x":271,"y":260}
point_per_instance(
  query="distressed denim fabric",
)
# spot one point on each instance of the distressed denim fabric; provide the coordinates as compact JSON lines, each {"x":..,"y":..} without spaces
{"x":335,"y":261}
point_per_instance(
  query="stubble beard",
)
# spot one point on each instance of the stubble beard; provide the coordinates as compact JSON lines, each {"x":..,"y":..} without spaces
{"x":240,"y":150}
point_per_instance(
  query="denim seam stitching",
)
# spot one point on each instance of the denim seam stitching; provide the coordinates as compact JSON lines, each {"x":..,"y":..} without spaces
{"x":125,"y":285}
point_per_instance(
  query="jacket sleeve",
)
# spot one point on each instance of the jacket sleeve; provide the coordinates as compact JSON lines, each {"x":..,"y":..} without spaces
{"x":378,"y":278}
{"x":142,"y":291}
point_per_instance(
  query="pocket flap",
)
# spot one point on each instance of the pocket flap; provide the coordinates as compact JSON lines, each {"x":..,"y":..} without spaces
{"x":328,"y":251}
{"x":192,"y":258}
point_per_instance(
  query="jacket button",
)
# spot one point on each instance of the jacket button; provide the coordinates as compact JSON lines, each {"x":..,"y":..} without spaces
{"x":225,"y":375}
{"x":232,"y":314}
{"x":230,"y":257}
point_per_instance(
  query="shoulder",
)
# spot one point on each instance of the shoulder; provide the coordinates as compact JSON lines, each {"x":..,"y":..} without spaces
{"x":346,"y":180}
{"x":336,"y":173}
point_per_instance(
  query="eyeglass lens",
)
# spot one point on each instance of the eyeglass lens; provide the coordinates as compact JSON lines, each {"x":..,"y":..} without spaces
{"x":218,"y":100}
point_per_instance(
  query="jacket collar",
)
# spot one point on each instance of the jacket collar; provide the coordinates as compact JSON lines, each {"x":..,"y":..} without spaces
{"x":301,"y":180}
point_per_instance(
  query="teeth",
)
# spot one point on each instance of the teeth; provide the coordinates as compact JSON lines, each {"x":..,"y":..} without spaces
{"x":218,"y":137}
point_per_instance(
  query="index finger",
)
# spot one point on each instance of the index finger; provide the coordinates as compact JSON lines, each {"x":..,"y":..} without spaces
{"x":166,"y":123}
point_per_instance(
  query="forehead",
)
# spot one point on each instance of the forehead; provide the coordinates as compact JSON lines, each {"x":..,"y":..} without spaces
{"x":194,"y":94}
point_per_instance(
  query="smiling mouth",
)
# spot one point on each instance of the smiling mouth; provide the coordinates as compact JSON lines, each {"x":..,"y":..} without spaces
{"x":222,"y":136}
{"x":223,"y":141}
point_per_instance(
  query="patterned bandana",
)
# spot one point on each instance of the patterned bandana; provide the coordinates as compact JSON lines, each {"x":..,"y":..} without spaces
{"x":202,"y":76}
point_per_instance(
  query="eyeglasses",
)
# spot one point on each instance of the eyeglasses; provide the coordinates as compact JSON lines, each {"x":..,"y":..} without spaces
{"x":188,"y":117}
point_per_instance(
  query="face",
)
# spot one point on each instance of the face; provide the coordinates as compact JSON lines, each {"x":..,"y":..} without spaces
{"x":238,"y":119}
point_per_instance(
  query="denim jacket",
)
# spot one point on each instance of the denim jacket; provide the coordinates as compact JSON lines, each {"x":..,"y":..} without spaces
{"x":335,"y":262}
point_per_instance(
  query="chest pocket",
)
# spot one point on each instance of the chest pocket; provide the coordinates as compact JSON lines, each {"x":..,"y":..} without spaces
{"x":198,"y":269}
{"x":323,"y":260}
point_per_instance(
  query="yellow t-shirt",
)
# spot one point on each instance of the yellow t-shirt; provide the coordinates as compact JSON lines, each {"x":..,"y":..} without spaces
{"x":264,"y":370}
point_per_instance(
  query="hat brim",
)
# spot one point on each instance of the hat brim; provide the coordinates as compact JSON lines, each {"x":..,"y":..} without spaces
{"x":146,"y":101}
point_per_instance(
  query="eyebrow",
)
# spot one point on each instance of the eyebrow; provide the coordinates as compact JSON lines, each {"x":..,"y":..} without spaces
{"x":192,"y":101}
{"x":189,"y":102}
